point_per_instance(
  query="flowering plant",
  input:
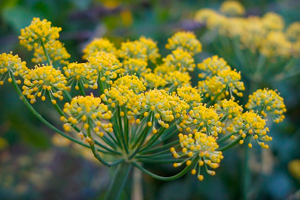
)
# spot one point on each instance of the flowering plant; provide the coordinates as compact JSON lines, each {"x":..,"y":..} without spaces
{"x":263,"y":48}
{"x":128,"y":114}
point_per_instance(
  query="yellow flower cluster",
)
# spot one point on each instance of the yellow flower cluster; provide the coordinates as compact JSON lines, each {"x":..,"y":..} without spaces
{"x":152,"y":50}
{"x":204,"y":14}
{"x":228,"y":109}
{"x":55,"y":50}
{"x":122,"y":90}
{"x":97,"y":45}
{"x":131,"y":82}
{"x":186,"y":41}
{"x":232,"y":81}
{"x":107,"y":66}
{"x":176,"y":79}
{"x":190,"y":95}
{"x":154,"y":81}
{"x":201,"y":119}
{"x":133,"y":49}
{"x":267,"y":101}
{"x":211,"y":66}
{"x":263,"y":35}
{"x":201,"y":150}
{"x":44,"y":80}
{"x":82,"y":74}
{"x":137,"y":104}
{"x":293,"y":32}
{"x":11,"y":64}
{"x":232,"y":8}
{"x":38,"y":31}
{"x":135,"y":66}
{"x":180,"y":60}
{"x":273,"y":22}
{"x":276,"y":44}
{"x":220,"y":79}
{"x":163,"y":106}
{"x":88,"y":112}
{"x":41,"y":37}
{"x":250,"y":124}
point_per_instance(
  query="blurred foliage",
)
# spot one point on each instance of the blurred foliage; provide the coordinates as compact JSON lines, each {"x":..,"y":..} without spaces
{"x":33,"y":168}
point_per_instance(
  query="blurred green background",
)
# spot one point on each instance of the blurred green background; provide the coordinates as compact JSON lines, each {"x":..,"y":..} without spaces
{"x":36,"y":165}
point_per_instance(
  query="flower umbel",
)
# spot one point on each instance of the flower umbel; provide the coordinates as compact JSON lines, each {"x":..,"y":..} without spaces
{"x":44,"y":80}
{"x":201,"y":151}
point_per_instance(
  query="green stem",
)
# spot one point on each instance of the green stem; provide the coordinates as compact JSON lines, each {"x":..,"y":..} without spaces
{"x":230,"y":145}
{"x":46,"y":53}
{"x":246,"y":173}
{"x":160,"y":148}
{"x":117,"y":184}
{"x":40,"y":117}
{"x":222,"y":139}
{"x":180,"y":174}
{"x":81,"y":89}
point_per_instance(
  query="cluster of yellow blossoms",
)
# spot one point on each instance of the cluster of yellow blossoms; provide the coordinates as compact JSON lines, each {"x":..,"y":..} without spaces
{"x":201,"y":150}
{"x":140,"y":109}
{"x":43,"y":39}
{"x":12,"y":63}
{"x":90,"y":111}
{"x":266,"y":35}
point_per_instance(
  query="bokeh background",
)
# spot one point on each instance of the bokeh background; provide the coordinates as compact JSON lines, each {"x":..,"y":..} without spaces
{"x":37,"y":164}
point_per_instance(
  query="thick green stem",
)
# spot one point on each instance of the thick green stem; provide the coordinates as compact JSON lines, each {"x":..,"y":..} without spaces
{"x":117,"y":184}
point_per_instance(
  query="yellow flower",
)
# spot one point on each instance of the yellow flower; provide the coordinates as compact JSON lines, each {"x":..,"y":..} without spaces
{"x":97,"y":45}
{"x":211,"y":66}
{"x":186,"y":41}
{"x":131,"y":82}
{"x":55,"y":50}
{"x":135,"y":66}
{"x":81,"y":74}
{"x":200,"y":149}
{"x":203,"y":15}
{"x":253,"y":34}
{"x":217,"y":22}
{"x":175,"y":79}
{"x":296,"y":49}
{"x":228,"y":109}
{"x":275,"y":44}
{"x":163,"y":106}
{"x":123,"y":89}
{"x":252,"y":125}
{"x":11,"y":64}
{"x":163,"y":69}
{"x":232,"y":8}
{"x":231,"y":82}
{"x":180,"y":60}
{"x":267,"y":101}
{"x":90,"y":111}
{"x":42,"y":80}
{"x":293,"y":32}
{"x":190,"y":95}
{"x":212,"y":88}
{"x":202,"y":119}
{"x":273,"y":22}
{"x":154,"y":81}
{"x":134,"y":49}
{"x":233,"y":27}
{"x":107,"y":66}
{"x":38,"y":31}
{"x":152,"y":50}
